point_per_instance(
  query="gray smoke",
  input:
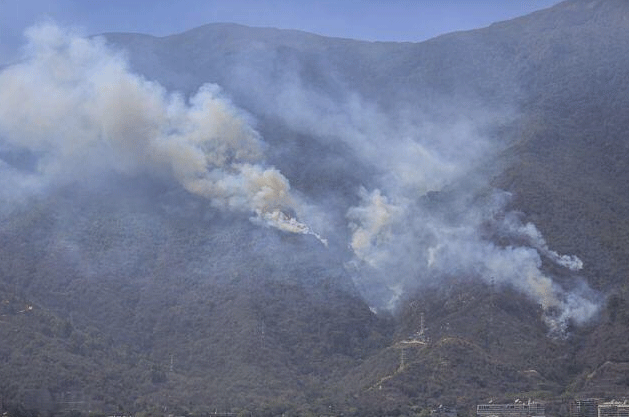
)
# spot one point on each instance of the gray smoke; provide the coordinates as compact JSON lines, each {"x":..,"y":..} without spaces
{"x":423,"y":209}
{"x":429,"y":223}
{"x":74,"y":101}
{"x":425,"y":214}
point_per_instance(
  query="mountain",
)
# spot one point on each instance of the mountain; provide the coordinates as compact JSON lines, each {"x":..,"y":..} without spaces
{"x":348,"y":192}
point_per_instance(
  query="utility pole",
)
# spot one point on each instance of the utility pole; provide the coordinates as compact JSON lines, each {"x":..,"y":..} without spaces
{"x":422,"y":329}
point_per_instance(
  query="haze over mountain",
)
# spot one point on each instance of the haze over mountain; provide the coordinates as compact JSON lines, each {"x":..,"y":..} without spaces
{"x":245,"y":218}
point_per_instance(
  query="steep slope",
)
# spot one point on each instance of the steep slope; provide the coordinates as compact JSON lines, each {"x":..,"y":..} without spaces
{"x":207,"y":320}
{"x":560,"y":70}
{"x":397,"y":153}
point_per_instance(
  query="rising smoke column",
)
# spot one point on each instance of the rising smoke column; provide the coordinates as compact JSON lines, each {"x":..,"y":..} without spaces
{"x":371,"y":225}
{"x":74,"y":101}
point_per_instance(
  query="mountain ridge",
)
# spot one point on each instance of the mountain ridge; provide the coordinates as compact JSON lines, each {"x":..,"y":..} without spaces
{"x":146,"y":296}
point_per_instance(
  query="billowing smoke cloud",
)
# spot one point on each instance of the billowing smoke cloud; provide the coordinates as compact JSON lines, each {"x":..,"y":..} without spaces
{"x":74,"y":102}
{"x":411,"y":242}
{"x":428,"y":228}
{"x":430,"y":212}
{"x":371,"y":225}
{"x":423,"y":209}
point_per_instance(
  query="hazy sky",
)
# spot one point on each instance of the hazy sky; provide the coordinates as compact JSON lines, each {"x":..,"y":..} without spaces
{"x":396,"y":20}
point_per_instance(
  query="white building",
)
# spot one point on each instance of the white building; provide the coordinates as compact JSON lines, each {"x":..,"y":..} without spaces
{"x":515,"y":409}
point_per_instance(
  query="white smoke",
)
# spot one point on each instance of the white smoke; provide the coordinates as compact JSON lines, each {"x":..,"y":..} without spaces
{"x":419,"y":245}
{"x":371,"y":225}
{"x":419,"y":216}
{"x":424,"y":220}
{"x":74,"y":101}
{"x":512,"y":226}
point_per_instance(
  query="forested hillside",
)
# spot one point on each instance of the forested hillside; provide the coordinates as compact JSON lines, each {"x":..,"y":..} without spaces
{"x":255,"y":220}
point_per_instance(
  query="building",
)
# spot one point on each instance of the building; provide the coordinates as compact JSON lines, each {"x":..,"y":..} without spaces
{"x":584,"y":408}
{"x":442,"y":411}
{"x":515,"y":409}
{"x":613,"y":409}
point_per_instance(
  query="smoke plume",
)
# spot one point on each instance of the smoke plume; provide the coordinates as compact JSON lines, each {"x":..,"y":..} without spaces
{"x":426,"y":210}
{"x":74,"y":102}
{"x":423,"y":209}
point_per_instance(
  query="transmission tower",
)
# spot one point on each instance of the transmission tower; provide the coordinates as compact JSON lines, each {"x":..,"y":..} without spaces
{"x":490,"y":316}
{"x":402,"y":359}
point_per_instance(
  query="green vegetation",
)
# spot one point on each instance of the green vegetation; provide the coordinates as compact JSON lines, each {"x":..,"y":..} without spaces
{"x":136,"y":297}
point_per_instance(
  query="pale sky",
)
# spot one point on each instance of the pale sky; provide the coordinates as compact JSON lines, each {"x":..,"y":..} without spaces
{"x":386,"y":20}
